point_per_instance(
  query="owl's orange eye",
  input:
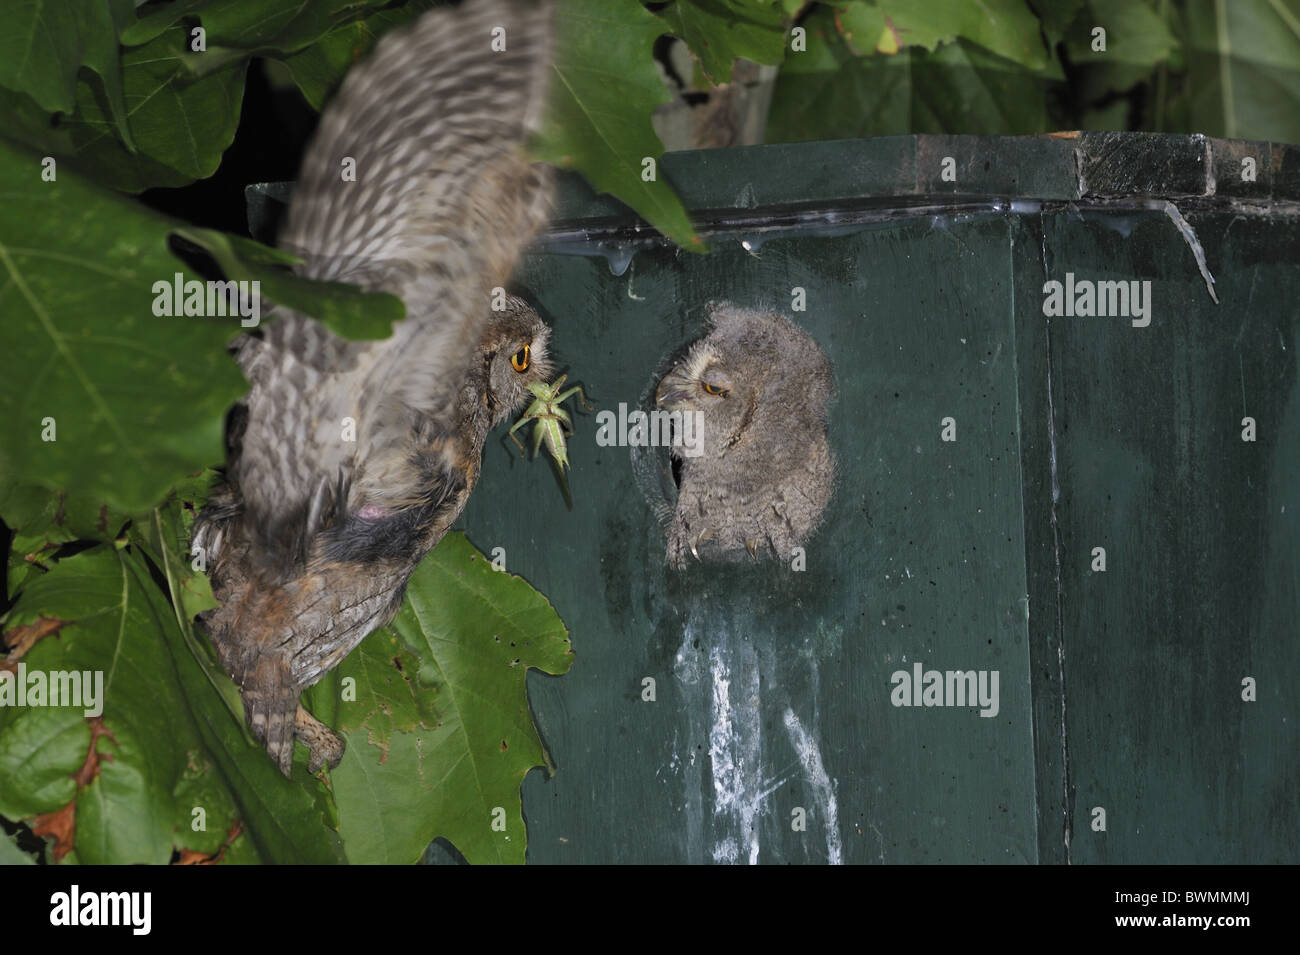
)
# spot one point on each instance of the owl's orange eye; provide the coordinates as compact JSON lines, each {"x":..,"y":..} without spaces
{"x":714,"y":389}
{"x":519,"y":360}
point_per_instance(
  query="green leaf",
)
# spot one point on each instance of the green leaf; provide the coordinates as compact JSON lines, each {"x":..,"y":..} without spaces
{"x":37,"y":512}
{"x":1243,"y":77}
{"x":1005,"y":27}
{"x":319,"y":68}
{"x":136,"y":401}
{"x":165,"y":535}
{"x":862,"y":25}
{"x":113,"y":616}
{"x":287,"y":820}
{"x":10,"y":854}
{"x":440,"y":735}
{"x":264,"y":25}
{"x":342,"y":308}
{"x":42,"y":520}
{"x":962,"y":88}
{"x":181,"y":124}
{"x":719,"y":31}
{"x":164,"y":745}
{"x":1056,"y":16}
{"x":1137,"y":41}
{"x":827,"y":92}
{"x":183,"y":105}
{"x":46,"y":42}
{"x":604,"y":88}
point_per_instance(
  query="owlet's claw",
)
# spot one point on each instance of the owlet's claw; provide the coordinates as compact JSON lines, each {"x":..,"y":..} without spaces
{"x":704,"y":535}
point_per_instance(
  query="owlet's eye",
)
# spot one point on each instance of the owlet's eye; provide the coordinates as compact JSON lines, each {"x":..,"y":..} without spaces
{"x":711,"y":389}
{"x":519,"y":360}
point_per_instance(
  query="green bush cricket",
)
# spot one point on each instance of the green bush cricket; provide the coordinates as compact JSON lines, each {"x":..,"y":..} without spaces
{"x":552,"y":421}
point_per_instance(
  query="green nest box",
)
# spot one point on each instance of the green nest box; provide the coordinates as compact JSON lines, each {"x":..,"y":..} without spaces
{"x":1050,"y":612}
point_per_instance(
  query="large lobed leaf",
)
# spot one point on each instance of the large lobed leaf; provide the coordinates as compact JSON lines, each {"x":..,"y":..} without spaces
{"x":137,"y":400}
{"x":174,"y":128}
{"x":719,"y":31}
{"x":604,"y":88}
{"x":123,"y":786}
{"x":152,"y":111}
{"x":269,"y":25}
{"x":46,"y":43}
{"x":831,"y":91}
{"x":1005,"y":27}
{"x":440,"y":735}
{"x":1244,"y":69}
{"x":439,"y":730}
{"x":1137,"y":41}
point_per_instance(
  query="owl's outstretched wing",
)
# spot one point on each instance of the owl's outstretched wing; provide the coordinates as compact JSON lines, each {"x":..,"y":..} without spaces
{"x":415,"y":184}
{"x":346,"y":461}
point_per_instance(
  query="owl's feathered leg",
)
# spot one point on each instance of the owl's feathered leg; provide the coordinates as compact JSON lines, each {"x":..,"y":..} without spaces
{"x":325,"y":745}
{"x":277,"y":718}
{"x":271,"y":704}
{"x":264,"y":675}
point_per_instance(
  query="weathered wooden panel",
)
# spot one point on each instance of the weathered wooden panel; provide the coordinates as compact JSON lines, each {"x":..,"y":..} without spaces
{"x":1200,"y":535}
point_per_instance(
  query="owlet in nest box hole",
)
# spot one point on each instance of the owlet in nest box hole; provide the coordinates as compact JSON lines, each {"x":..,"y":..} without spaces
{"x":348,"y":460}
{"x":764,"y":472}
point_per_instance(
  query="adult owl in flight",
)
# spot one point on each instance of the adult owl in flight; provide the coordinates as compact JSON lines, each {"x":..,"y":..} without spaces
{"x":349,"y":460}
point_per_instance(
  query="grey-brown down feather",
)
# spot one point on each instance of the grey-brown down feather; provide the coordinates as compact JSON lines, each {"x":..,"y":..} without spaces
{"x":764,"y":472}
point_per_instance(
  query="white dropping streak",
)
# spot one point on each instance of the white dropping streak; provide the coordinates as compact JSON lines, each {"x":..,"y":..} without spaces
{"x":810,"y":755}
{"x":735,"y":752}
{"x":1189,"y":236}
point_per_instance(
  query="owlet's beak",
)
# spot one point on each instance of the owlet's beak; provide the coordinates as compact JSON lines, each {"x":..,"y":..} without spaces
{"x":669,"y":393}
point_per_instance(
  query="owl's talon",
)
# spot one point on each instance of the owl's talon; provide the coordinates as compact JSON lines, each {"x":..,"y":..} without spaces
{"x":752,"y":547}
{"x":323,"y":744}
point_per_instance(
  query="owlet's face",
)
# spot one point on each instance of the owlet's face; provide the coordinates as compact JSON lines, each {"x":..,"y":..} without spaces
{"x":710,"y":381}
{"x":515,"y":352}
